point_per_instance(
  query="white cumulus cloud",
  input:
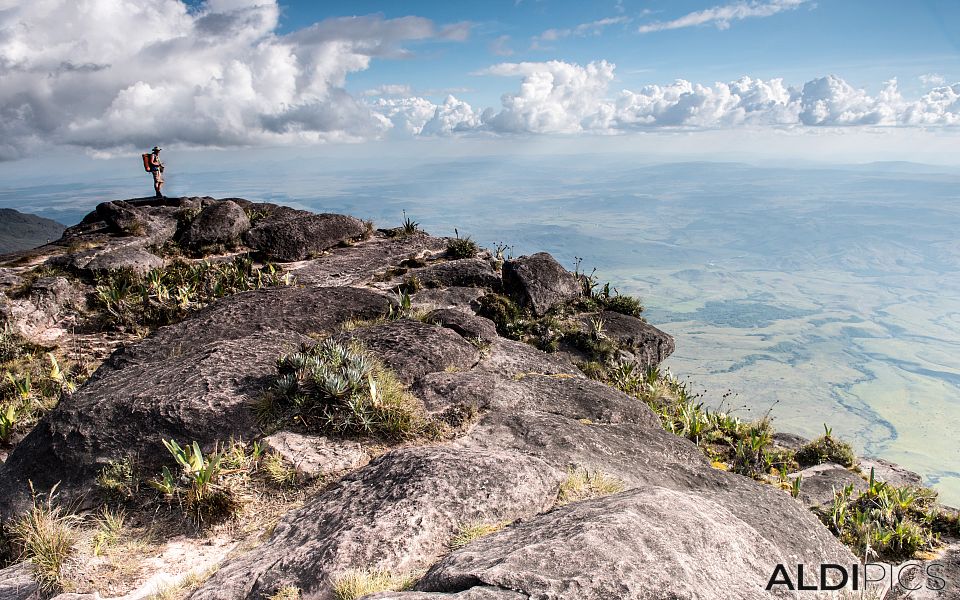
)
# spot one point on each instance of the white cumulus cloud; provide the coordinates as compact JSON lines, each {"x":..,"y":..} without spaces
{"x":113,"y":74}
{"x":560,"y":97}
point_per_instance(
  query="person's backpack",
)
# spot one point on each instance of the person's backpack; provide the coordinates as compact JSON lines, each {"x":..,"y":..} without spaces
{"x":146,"y":162}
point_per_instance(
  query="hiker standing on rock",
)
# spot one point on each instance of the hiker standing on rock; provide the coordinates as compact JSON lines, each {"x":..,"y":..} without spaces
{"x":155,"y":167}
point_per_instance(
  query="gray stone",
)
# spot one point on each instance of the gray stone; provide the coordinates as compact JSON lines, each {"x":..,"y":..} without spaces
{"x":46,"y":311}
{"x":126,"y":258}
{"x":451,"y":297}
{"x":398,"y":513}
{"x":648,"y":345}
{"x":17,"y":583}
{"x":465,"y":324}
{"x":467,"y":272}
{"x":790,"y":441}
{"x":122,"y":218}
{"x":411,"y":348}
{"x":290,"y":236}
{"x":820,"y":483}
{"x":361,"y":262}
{"x":316,"y":455}
{"x":539,"y":282}
{"x":219,"y":223}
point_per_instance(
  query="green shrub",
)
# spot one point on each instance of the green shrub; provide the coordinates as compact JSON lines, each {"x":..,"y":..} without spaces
{"x":886,"y":521}
{"x":8,"y":420}
{"x":824,"y":449}
{"x":627,"y":305}
{"x":12,"y":345}
{"x":117,"y":479}
{"x":409,"y":226}
{"x":504,"y":313}
{"x":340,"y":388}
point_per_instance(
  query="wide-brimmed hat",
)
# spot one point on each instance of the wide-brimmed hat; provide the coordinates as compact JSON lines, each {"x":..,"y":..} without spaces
{"x":157,"y":149}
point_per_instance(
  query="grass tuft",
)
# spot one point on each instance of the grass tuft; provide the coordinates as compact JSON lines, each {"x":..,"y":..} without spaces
{"x":356,"y":583}
{"x":288,"y":592}
{"x":469,"y":532}
{"x":581,"y":484}
{"x":47,"y":537}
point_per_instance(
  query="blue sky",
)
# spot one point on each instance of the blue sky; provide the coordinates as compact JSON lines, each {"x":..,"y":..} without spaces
{"x":266,"y":74}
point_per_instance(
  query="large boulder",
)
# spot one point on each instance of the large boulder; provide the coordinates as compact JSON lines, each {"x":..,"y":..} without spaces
{"x":190,"y":381}
{"x":293,"y":235}
{"x":219,"y":223}
{"x":122,"y":218}
{"x":645,"y":543}
{"x":398,"y":513}
{"x":820,"y":483}
{"x":539,"y":282}
{"x":648,"y":345}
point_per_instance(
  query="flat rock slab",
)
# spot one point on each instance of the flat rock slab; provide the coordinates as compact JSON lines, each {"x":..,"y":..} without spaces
{"x":479,"y":592}
{"x":539,"y":282}
{"x":297,"y":235}
{"x":365,"y":259}
{"x":466,"y":272}
{"x":412,"y":349}
{"x":820,"y":482}
{"x":398,"y":513}
{"x":635,"y":544}
{"x":575,"y":397}
{"x":316,"y":455}
{"x":452,"y":297}
{"x":44,"y":313}
{"x":516,"y":359}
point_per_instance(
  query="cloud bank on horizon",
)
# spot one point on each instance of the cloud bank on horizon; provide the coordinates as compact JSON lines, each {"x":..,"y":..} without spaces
{"x":222,"y":74}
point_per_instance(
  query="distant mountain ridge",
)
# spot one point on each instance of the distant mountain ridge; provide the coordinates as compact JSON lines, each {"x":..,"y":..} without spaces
{"x":22,"y":231}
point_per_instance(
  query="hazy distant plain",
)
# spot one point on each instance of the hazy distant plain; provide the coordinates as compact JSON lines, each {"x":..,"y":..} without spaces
{"x":819,"y":294}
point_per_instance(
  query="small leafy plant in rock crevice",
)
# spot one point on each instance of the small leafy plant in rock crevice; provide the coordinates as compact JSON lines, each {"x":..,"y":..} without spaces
{"x":340,"y":388}
{"x":462,"y":247}
{"x":197,"y":482}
